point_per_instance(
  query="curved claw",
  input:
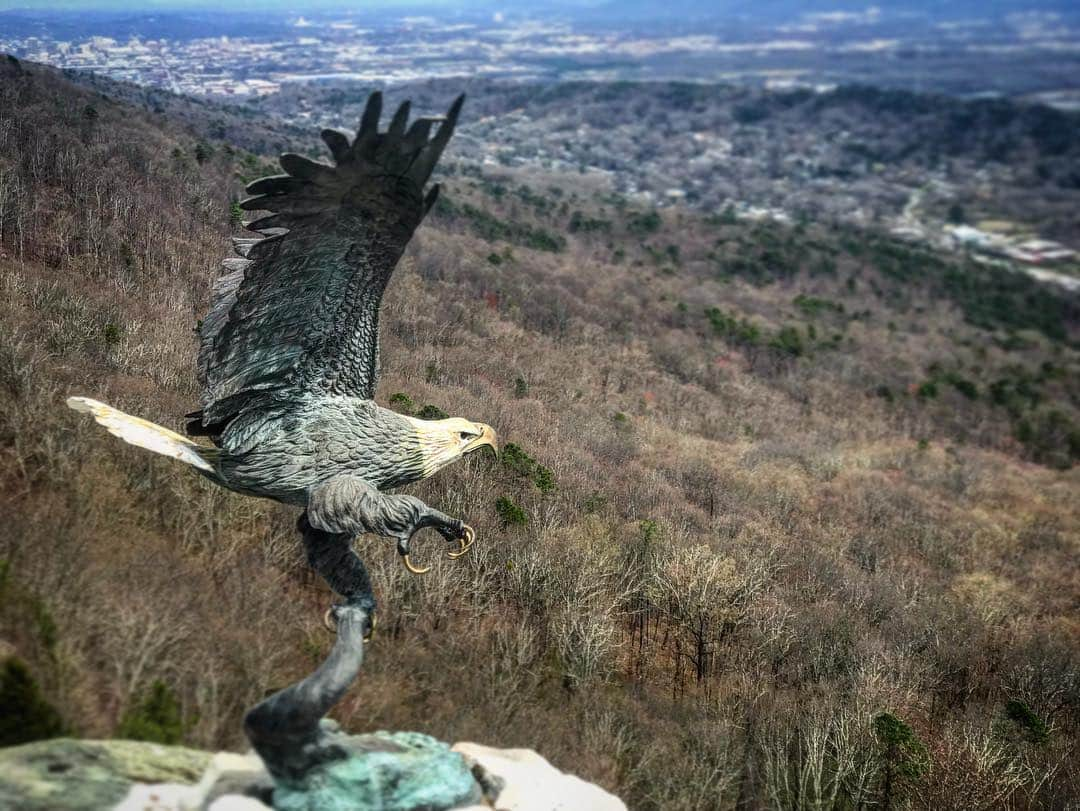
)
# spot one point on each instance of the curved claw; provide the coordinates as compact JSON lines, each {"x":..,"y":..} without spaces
{"x":414,"y":569}
{"x":464,"y":542}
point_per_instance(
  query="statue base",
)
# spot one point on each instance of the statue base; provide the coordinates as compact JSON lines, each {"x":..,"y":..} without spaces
{"x":381,"y":771}
{"x":403,"y":770}
{"x":390,"y":771}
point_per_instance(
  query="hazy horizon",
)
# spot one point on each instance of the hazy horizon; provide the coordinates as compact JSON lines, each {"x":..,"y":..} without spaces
{"x":765,"y":9}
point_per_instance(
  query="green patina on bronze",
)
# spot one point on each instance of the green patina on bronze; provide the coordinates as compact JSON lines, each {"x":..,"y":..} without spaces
{"x":388,"y":771}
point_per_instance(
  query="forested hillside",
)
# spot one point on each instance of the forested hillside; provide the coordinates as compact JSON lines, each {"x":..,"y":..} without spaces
{"x":854,"y":153}
{"x":786,"y":517}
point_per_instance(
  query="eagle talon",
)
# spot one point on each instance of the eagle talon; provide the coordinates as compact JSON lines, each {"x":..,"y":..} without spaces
{"x":412,"y":568}
{"x":465,"y":542}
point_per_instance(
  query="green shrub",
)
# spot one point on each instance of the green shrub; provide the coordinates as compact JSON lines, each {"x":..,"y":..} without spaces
{"x":515,"y":459}
{"x":650,"y":531}
{"x":737,"y":331}
{"x":963,"y":385}
{"x":579,"y":223}
{"x":491,"y":228}
{"x":402,"y":402}
{"x":1025,"y":723}
{"x":813,"y":305}
{"x":544,"y":479}
{"x":594,"y":502}
{"x":156,"y":717}
{"x":789,"y":341}
{"x":431,"y":412}
{"x":112,"y":333}
{"x":24,"y":714}
{"x":927,"y":390}
{"x":44,"y":624}
{"x":521,"y":387}
{"x":1016,"y":394}
{"x":510,"y":513}
{"x":644,"y":224}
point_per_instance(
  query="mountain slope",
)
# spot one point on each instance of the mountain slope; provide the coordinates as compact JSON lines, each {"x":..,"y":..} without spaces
{"x":752,"y":525}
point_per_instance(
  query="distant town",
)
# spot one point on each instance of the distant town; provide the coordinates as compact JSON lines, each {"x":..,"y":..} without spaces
{"x":1036,"y":53}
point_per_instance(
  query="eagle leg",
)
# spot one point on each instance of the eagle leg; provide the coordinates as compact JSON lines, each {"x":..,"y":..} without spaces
{"x":349,"y":505}
{"x":332,"y":556}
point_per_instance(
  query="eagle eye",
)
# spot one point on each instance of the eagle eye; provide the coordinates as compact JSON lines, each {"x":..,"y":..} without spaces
{"x":466,"y":435}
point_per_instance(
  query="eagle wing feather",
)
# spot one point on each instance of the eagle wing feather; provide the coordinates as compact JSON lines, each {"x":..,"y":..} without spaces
{"x":299,"y":311}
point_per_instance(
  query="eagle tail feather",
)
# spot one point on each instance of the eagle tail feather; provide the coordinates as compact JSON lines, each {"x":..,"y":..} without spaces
{"x":147,"y":435}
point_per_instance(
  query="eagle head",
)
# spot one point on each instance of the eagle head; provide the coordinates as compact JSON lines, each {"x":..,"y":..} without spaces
{"x":446,"y":441}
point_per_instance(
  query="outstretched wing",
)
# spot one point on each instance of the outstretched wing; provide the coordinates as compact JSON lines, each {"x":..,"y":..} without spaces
{"x":299,"y":310}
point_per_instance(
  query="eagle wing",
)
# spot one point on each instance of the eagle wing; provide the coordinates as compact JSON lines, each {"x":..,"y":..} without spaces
{"x":298,"y":311}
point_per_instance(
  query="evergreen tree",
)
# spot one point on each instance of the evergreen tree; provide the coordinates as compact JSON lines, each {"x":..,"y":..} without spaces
{"x":904,"y":758}
{"x":156,"y":718}
{"x":24,"y":714}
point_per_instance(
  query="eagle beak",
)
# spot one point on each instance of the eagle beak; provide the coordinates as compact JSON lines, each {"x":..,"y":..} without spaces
{"x":487,"y":437}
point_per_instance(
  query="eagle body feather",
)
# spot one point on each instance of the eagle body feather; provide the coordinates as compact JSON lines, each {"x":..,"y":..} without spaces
{"x":284,"y":456}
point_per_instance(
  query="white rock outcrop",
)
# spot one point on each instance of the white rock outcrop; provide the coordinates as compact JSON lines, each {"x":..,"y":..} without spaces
{"x":524,"y":781}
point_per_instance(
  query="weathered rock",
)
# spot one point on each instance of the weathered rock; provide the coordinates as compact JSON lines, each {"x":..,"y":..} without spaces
{"x":385,"y":771}
{"x":65,"y":774}
{"x":521,"y":780}
{"x":231,"y":781}
{"x":231,"y":774}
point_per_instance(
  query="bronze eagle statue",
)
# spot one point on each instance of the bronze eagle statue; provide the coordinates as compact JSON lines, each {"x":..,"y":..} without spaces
{"x":289,"y":354}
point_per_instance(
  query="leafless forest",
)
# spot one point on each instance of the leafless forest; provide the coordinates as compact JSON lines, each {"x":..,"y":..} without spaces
{"x":789,"y":518}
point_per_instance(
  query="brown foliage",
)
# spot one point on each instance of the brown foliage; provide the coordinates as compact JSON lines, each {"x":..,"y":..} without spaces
{"x":743,"y":560}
